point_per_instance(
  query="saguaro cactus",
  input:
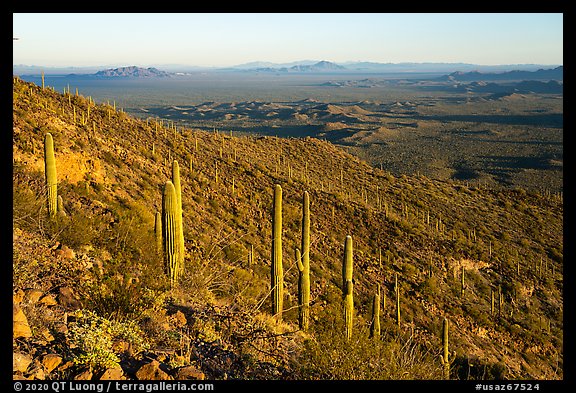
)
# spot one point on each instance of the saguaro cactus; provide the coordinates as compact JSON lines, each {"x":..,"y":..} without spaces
{"x":463,"y":283}
{"x":375,"y":322}
{"x":500,"y":300}
{"x":304,"y":266}
{"x":398,"y":307}
{"x":251,"y":256}
{"x":277,"y":274}
{"x":348,"y":286}
{"x":171,"y":230}
{"x":445,"y":356}
{"x":178,"y":189}
{"x":50,"y":174}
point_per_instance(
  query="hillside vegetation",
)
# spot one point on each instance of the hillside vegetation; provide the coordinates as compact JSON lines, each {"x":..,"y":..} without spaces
{"x":92,"y":288}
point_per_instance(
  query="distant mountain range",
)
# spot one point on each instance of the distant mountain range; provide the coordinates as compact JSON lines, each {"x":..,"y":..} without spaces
{"x":267,"y":64}
{"x":125,"y":72}
{"x":321,"y":66}
{"x":361,"y":67}
{"x":303,"y":66}
{"x":541,"y":74}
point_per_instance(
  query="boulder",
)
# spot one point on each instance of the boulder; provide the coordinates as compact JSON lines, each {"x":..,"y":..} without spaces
{"x":85,"y":375}
{"x":113,"y":374}
{"x":152,"y":372}
{"x":37,"y":372}
{"x":51,"y":361}
{"x":32,"y":295}
{"x":48,"y":300}
{"x":18,"y":296}
{"x":45,"y":334}
{"x":189,"y":373}
{"x":20,"y":327}
{"x":67,"y":299}
{"x":20,"y":362}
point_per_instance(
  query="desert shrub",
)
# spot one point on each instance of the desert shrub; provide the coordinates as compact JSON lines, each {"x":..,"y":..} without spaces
{"x":92,"y":339}
{"x":409,"y":270}
{"x":112,"y":159}
{"x":133,"y":278}
{"x":235,"y":253}
{"x":27,"y":207}
{"x":478,"y":312}
{"x":205,"y":330}
{"x":78,"y":145}
{"x":429,"y":286}
{"x":122,"y":296}
{"x":76,"y":230}
{"x":505,"y":237}
{"x":246,"y":288}
{"x":477,"y":283}
{"x":328,"y":355}
{"x":214,"y":205}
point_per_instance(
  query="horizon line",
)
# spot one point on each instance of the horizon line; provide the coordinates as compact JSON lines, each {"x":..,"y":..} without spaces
{"x":295,"y":62}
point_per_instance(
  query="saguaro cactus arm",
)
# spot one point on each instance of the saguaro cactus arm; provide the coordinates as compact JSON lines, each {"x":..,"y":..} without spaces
{"x":298,"y":257}
{"x":61,"y":209}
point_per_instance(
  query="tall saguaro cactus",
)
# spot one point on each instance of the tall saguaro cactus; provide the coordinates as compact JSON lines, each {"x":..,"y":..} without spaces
{"x":304,"y":266}
{"x":50,"y":174}
{"x":178,"y":189}
{"x":171,"y":231}
{"x":375,"y":322}
{"x":277,"y":273}
{"x":348,"y":286}
{"x":445,"y":356}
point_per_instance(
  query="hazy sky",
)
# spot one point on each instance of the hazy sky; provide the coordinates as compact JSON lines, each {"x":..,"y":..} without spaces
{"x":208,"y":39}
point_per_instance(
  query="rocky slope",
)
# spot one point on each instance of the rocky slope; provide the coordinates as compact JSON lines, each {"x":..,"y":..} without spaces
{"x":91,"y":299}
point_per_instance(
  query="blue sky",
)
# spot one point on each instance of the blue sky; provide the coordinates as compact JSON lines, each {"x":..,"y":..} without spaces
{"x":221,"y":39}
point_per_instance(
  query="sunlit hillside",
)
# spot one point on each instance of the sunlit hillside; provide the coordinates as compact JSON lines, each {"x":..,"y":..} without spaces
{"x":92,"y":299}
